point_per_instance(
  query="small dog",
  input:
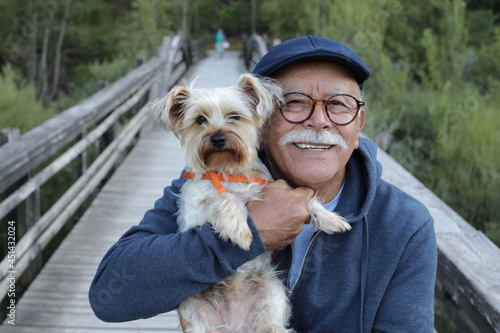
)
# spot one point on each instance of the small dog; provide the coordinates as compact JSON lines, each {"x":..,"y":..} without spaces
{"x":219,"y":132}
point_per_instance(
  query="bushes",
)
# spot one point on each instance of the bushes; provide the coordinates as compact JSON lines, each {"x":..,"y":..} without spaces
{"x":465,"y":167}
{"x":90,"y":77}
{"x":450,"y":143}
{"x":18,"y":104}
{"x":457,"y":153}
{"x":447,"y":138}
{"x":21,"y":109}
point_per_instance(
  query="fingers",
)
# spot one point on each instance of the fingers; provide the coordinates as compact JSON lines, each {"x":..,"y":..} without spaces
{"x":305,"y":192}
{"x":281,"y":214}
{"x":280,"y":183}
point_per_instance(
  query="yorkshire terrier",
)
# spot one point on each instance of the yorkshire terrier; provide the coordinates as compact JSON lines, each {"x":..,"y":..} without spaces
{"x":219,"y":132}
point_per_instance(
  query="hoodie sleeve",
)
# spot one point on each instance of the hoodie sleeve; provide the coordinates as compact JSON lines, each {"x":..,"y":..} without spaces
{"x":153,"y":268}
{"x":408,"y":303}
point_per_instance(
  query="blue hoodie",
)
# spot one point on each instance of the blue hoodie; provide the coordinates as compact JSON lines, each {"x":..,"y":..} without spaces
{"x":378,"y":277}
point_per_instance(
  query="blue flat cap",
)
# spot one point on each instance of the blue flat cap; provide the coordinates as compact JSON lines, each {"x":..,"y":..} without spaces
{"x":312,"y":48}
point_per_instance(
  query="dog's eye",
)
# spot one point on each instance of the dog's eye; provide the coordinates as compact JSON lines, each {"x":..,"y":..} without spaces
{"x":234,"y":117}
{"x":201,"y":120}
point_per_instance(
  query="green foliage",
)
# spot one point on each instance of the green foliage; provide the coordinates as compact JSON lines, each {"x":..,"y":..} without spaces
{"x":18,"y":104}
{"x":142,"y":28}
{"x":441,"y":324}
{"x":457,"y":159}
{"x":486,"y":69}
{"x":285,"y":21}
{"x":465,"y":170}
{"x":90,"y":78}
{"x":444,"y":45}
{"x":481,"y":26}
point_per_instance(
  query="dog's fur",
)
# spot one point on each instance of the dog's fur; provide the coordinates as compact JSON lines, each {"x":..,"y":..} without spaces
{"x":219,"y":130}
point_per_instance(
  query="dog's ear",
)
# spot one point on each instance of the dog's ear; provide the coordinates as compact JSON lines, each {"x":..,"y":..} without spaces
{"x":265,"y":93}
{"x":170,"y":110}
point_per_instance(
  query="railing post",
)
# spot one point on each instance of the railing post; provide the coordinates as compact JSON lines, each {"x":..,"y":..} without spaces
{"x":81,"y":160}
{"x":186,"y":52}
{"x":253,"y":19}
{"x":110,"y":135}
{"x":145,"y":98}
{"x":9,"y":134}
{"x":139,"y":61}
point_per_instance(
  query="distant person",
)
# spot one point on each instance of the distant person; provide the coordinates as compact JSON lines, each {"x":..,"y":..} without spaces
{"x":220,"y":42}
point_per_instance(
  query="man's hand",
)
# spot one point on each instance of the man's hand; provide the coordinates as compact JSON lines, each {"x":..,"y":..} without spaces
{"x":281,"y":214}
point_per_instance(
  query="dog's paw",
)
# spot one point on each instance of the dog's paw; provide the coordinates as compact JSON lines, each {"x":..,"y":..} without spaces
{"x":325,"y":220}
{"x":238,"y":232}
{"x":331,"y":224}
{"x":230,"y":221}
{"x":245,"y":241}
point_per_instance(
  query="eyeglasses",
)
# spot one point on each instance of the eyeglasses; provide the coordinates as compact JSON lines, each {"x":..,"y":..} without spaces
{"x":341,"y":109}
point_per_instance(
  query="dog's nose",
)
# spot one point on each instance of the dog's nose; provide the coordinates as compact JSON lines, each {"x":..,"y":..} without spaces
{"x":218,"y":140}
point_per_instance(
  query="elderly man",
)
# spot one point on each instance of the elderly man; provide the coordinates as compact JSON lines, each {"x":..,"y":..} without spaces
{"x":378,"y":277}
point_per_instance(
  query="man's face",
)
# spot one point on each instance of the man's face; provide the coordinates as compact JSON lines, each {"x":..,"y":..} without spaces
{"x":305,"y":165}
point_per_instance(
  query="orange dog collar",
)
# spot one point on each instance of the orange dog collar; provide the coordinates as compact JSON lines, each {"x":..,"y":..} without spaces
{"x":216,"y":179}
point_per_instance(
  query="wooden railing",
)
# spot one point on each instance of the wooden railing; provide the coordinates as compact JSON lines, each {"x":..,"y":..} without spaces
{"x":112,"y":119}
{"x":254,"y":48}
{"x":468,"y":276}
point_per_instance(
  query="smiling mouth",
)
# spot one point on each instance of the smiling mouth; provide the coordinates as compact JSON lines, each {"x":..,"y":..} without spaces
{"x":315,"y":147}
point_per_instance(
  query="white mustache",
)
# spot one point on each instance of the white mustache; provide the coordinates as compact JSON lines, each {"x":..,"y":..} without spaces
{"x":312,"y":136}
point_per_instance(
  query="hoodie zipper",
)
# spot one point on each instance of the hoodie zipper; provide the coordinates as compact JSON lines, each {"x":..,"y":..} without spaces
{"x":303,"y":261}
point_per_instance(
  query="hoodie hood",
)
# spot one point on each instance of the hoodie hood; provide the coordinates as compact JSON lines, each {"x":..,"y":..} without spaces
{"x":357,"y":267}
{"x":363,"y":175}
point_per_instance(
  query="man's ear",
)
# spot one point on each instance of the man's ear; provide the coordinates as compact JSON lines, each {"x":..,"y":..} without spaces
{"x":359,"y":123}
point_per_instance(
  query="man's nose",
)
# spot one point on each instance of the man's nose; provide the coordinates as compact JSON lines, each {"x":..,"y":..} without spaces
{"x":319,"y":118}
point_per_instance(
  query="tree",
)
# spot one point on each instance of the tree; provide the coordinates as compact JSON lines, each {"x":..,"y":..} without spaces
{"x":43,"y":74}
{"x":32,"y":60}
{"x":57,"y":64}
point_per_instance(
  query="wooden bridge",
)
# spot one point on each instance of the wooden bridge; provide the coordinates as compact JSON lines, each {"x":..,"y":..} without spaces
{"x":111,"y":139}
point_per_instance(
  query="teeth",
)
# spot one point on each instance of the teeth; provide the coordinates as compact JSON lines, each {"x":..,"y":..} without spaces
{"x":311,"y":147}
